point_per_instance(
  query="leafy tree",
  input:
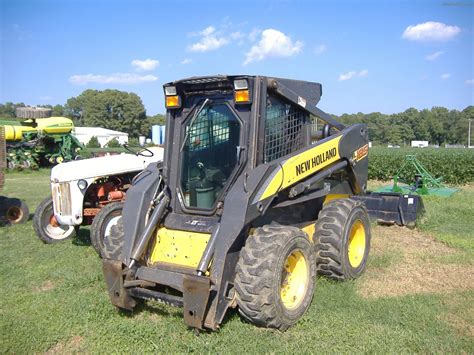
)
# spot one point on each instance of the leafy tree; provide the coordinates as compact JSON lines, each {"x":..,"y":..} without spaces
{"x":112,"y":109}
{"x":113,"y":143}
{"x":57,"y":111}
{"x":93,"y":143}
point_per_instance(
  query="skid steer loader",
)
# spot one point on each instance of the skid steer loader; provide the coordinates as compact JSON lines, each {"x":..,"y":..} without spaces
{"x":252,"y":200}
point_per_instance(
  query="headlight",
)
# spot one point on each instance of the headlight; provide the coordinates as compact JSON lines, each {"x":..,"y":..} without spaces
{"x":82,"y":184}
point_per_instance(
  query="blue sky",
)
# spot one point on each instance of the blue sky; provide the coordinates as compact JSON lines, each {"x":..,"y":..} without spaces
{"x":370,"y":56}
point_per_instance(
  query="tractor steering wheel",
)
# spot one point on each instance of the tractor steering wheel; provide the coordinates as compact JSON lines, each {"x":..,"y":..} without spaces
{"x":141,"y":152}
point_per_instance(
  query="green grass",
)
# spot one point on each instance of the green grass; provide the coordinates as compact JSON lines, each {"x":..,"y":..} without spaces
{"x":54,"y":297}
{"x":451,"y":220}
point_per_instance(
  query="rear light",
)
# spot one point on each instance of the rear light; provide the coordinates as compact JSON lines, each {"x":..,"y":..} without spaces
{"x":241,"y":91}
{"x":172,"y":100}
{"x":242,"y":96}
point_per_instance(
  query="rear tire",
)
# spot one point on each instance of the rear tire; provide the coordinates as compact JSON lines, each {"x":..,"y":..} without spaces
{"x":102,"y":224}
{"x":275,"y":276}
{"x":17,"y":211}
{"x":342,"y":239}
{"x":46,"y":229}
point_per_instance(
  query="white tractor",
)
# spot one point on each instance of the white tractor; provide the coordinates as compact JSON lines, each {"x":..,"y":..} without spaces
{"x":89,"y":192}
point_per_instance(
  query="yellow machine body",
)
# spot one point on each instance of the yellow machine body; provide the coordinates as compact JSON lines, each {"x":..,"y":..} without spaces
{"x":178,"y":247}
{"x":50,"y":125}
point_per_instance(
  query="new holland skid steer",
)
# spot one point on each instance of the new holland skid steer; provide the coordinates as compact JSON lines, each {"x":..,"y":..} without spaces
{"x":258,"y":192}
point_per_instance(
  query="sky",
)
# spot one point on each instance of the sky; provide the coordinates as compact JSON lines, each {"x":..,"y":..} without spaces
{"x":369,"y":56}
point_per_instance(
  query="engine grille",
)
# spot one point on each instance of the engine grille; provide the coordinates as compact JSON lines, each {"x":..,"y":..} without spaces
{"x":62,"y":198}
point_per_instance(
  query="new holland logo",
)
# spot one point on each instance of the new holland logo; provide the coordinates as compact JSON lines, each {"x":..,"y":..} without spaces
{"x":313,"y":163}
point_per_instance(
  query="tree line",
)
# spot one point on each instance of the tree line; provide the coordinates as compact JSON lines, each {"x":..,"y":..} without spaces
{"x":124,"y":111}
{"x":111,"y":109}
{"x":437,"y":126}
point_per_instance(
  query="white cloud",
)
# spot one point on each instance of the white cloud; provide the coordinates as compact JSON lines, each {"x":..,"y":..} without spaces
{"x":273,"y":43}
{"x":236,"y":35}
{"x":445,"y":76}
{"x":320,"y":49}
{"x":347,"y":76}
{"x":353,"y":74}
{"x":469,"y":82}
{"x":434,"y":56}
{"x":430,"y":31}
{"x":186,"y":61}
{"x":210,"y":40}
{"x":116,"y":78}
{"x":253,"y":35}
{"x":363,"y":72}
{"x":145,"y":65}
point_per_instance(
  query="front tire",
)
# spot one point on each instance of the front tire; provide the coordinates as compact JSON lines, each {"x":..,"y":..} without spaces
{"x":342,"y":239}
{"x":48,"y":230}
{"x":102,"y":225}
{"x":275,"y":276}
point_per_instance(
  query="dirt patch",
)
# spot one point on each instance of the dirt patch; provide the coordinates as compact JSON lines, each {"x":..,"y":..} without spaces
{"x":72,"y":345}
{"x":46,"y":286}
{"x":414,"y":270}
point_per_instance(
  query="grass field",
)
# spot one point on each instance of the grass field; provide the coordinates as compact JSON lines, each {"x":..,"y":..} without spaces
{"x":417,"y":295}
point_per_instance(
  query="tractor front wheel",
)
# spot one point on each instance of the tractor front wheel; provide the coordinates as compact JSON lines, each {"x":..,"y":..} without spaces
{"x":46,"y":226}
{"x":342,"y":239}
{"x":102,"y":225}
{"x":275,"y":276}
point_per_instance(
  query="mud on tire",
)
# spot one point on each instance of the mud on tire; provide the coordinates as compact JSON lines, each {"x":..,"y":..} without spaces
{"x":103,"y":223}
{"x":113,"y":246}
{"x":262,"y":276}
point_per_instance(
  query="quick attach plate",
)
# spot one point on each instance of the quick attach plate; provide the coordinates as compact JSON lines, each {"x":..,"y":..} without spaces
{"x":195,"y":295}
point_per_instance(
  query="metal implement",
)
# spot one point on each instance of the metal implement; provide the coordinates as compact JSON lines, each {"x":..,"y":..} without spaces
{"x":39,"y":140}
{"x":12,"y":210}
{"x":421,"y":183}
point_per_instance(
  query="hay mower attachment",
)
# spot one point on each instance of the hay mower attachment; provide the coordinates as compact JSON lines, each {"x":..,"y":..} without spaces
{"x":422,"y":182}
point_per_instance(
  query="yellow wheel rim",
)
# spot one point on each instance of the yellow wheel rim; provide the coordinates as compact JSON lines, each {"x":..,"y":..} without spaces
{"x":356,"y":249}
{"x":295,"y":278}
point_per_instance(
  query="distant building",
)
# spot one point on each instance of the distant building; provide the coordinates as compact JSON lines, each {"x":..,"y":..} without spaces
{"x":103,"y":135}
{"x":455,"y":146}
{"x":419,"y":144}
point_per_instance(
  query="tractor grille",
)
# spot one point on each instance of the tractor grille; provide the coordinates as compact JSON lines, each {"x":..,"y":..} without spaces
{"x":283,"y":131}
{"x":62,"y":198}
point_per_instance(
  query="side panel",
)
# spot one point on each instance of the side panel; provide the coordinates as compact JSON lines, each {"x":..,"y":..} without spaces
{"x":300,"y":166}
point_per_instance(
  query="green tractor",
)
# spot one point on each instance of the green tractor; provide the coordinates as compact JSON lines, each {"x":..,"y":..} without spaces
{"x":39,"y":140}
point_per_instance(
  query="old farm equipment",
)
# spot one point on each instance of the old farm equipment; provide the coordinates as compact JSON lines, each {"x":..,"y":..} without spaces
{"x":39,"y":140}
{"x":250,"y":202}
{"x":89,"y":192}
{"x":12,"y":210}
